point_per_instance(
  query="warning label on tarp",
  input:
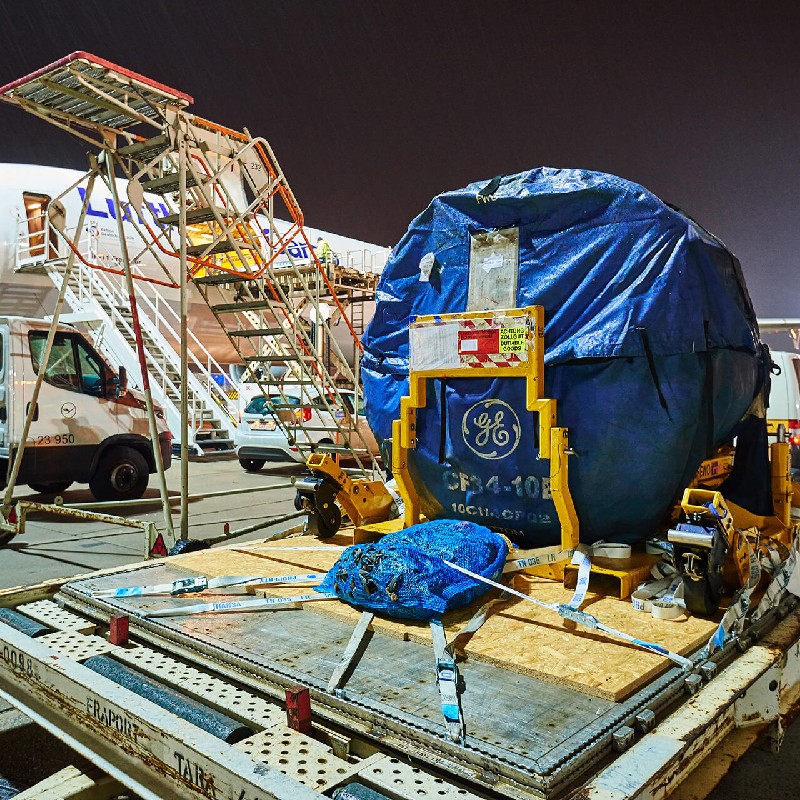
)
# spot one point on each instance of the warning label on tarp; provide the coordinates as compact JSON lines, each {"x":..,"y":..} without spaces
{"x":442,"y":344}
{"x":512,"y":340}
{"x":480,"y":341}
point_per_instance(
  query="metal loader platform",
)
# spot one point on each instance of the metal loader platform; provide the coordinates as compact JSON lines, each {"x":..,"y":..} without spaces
{"x":526,"y":736}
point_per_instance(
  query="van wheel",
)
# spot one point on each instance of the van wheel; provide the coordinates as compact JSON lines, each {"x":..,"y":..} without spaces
{"x":252,"y":464}
{"x":50,"y":488}
{"x":121,"y":474}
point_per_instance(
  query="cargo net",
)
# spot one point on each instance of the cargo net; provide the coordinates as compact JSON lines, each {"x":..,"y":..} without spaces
{"x":404,"y":574}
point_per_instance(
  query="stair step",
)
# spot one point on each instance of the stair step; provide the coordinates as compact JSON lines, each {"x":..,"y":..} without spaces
{"x":218,"y":447}
{"x":210,"y":433}
{"x":194,"y":216}
{"x":167,"y":184}
{"x":260,"y":332}
{"x":144,"y":151}
{"x":219,"y":278}
{"x":255,"y":305}
{"x":323,"y":428}
{"x":339,"y":448}
{"x":292,"y":272}
{"x":225,"y":246}
{"x":268,"y":359}
{"x":215,"y":442}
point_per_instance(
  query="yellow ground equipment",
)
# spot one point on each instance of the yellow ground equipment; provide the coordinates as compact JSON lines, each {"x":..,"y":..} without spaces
{"x":523,"y":330}
{"x":362,"y":500}
{"x":700,"y":544}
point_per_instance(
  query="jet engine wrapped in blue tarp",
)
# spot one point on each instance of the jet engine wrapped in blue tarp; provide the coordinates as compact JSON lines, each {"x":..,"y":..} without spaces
{"x":652,"y":351}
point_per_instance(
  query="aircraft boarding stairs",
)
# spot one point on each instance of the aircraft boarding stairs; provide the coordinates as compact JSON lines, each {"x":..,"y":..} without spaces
{"x":226,"y":194}
{"x":98,"y":300}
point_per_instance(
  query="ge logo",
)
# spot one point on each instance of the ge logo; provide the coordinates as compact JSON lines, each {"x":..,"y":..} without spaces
{"x":491,"y":429}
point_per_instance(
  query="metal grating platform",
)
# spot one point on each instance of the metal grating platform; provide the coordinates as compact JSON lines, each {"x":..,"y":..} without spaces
{"x":410,"y":783}
{"x":49,"y":613}
{"x":276,"y":648}
{"x":201,"y":686}
{"x":84,"y":87}
{"x":77,"y":646}
{"x":302,"y":758}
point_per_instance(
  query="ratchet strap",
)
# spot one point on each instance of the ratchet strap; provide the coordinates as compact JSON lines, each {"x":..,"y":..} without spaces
{"x":353,"y":649}
{"x":572,"y":612}
{"x":733,"y":619}
{"x":447,"y":681}
{"x":201,"y":583}
{"x":260,"y":604}
{"x":663,"y":596}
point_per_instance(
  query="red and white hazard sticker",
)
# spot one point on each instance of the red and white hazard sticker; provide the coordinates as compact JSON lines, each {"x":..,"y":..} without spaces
{"x":479,"y":342}
{"x":472,"y":343}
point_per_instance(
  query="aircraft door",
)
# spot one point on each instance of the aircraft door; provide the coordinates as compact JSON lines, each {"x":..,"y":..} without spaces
{"x":38,"y":240}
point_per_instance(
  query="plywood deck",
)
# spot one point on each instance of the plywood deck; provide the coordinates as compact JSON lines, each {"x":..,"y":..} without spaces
{"x":518,"y":636}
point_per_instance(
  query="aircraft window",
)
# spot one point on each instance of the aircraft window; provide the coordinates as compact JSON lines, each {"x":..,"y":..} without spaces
{"x":36,"y":215}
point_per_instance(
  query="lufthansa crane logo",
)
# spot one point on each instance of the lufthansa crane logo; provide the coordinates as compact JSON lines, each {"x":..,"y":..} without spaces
{"x":491,"y":429}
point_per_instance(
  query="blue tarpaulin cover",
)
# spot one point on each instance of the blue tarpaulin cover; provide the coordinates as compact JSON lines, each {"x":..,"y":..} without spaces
{"x":652,"y":353}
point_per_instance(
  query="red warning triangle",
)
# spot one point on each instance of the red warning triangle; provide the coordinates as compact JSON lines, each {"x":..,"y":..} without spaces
{"x":159,"y":548}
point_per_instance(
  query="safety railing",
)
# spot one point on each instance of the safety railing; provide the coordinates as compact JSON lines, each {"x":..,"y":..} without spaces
{"x":105,"y":296}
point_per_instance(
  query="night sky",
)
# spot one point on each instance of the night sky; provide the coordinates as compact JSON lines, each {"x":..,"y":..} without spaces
{"x":372,"y":108}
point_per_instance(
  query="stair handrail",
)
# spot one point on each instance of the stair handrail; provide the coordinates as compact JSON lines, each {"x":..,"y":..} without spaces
{"x":114,"y":318}
{"x":166,"y":349}
{"x":157,"y":314}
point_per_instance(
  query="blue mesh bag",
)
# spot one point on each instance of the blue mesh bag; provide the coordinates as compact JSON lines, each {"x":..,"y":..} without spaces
{"x":404,"y":574}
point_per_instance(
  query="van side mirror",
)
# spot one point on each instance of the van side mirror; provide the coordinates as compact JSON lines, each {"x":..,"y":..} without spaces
{"x":122,"y":385}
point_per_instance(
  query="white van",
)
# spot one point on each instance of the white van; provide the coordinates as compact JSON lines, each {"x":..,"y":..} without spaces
{"x":784,"y":400}
{"x":87,"y":426}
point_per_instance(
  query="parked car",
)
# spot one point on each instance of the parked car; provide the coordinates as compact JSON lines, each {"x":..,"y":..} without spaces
{"x":260,"y":437}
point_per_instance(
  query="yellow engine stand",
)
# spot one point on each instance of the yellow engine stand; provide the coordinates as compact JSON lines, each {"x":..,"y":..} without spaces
{"x":528,"y":365}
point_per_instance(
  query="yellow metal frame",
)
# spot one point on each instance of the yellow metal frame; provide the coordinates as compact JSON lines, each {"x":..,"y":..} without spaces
{"x":363,"y":501}
{"x":553,"y":440}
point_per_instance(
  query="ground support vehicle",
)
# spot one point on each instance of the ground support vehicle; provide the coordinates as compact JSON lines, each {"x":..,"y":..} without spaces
{"x":784,"y":400}
{"x":86,"y":426}
{"x":550,"y":712}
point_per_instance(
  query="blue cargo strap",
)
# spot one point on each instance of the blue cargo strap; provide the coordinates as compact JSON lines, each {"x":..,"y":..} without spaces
{"x":447,"y":681}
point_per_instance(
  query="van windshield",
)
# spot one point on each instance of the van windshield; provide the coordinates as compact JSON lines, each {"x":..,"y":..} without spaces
{"x":72,"y":366}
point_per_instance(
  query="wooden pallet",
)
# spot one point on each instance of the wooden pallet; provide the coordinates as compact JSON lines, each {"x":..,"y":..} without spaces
{"x":518,"y":636}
